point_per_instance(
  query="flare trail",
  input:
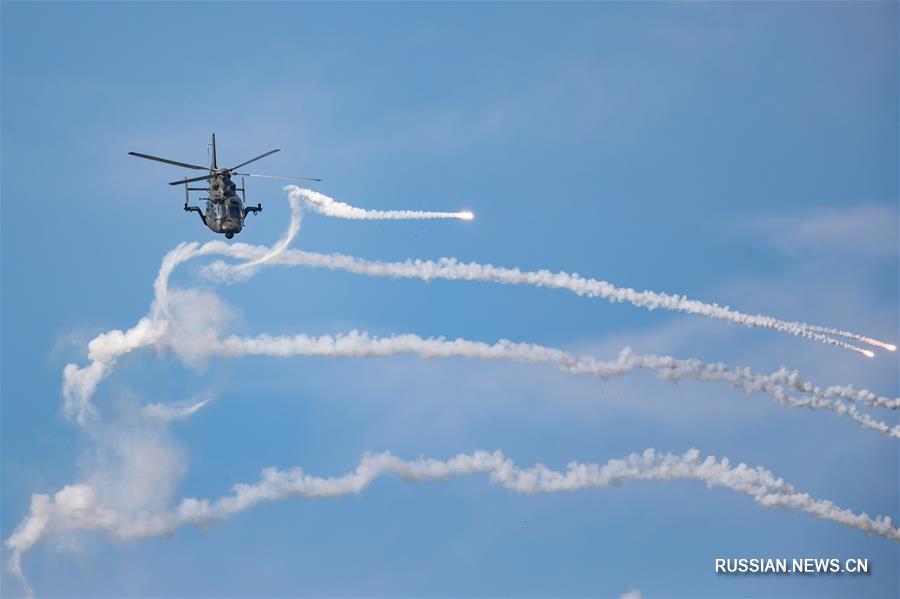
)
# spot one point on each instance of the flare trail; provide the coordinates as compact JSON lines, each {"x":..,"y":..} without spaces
{"x":172,"y":326}
{"x":78,"y":507}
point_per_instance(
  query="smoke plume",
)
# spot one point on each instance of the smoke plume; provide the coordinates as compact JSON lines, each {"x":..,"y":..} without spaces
{"x":128,"y":494}
{"x":453,"y":270}
{"x":78,"y":507}
{"x":778,"y":384}
{"x":321,"y":203}
{"x":193,"y":342}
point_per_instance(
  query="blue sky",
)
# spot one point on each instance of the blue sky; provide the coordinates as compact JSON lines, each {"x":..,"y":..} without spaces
{"x":739,"y":153}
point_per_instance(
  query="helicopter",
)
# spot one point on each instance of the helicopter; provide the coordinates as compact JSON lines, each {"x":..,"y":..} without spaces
{"x":225,"y":210}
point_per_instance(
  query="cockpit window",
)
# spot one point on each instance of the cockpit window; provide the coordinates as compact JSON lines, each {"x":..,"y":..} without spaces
{"x":218,"y":211}
{"x":234,"y":211}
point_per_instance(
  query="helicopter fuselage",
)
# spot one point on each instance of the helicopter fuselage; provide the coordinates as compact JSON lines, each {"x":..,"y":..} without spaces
{"x":225,"y":211}
{"x":224,"y":208}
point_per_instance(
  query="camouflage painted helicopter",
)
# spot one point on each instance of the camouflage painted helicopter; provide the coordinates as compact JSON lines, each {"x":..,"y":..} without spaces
{"x":225,"y":210}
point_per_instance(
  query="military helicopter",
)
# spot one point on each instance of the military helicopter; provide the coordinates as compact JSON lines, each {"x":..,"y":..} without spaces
{"x":225,"y":210}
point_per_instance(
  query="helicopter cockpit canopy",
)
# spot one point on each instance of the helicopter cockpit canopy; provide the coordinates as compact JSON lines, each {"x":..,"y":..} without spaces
{"x":234,"y":210}
{"x":226,"y":210}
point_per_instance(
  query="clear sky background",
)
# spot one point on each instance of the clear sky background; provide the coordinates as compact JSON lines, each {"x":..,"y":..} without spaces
{"x":744,"y":153}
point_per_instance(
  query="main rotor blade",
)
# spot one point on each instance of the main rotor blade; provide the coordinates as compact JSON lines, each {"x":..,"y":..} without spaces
{"x":275,"y":177}
{"x":166,"y":160}
{"x":253,"y":160}
{"x":204,"y":178}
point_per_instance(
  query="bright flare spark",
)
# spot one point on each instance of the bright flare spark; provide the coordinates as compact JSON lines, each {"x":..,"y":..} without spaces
{"x":881,"y":344}
{"x":466,"y":215}
{"x":830,"y":332}
{"x":868,"y":354}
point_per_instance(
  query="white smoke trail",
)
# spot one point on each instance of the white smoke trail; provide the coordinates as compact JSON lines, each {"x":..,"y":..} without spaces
{"x":453,"y":270}
{"x":250,"y":267}
{"x":321,"y":203}
{"x":261,"y":255}
{"x":194,"y":344}
{"x":78,"y":507}
{"x":162,"y":330}
{"x":356,"y":344}
{"x":161,"y":412}
{"x":80,"y":383}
